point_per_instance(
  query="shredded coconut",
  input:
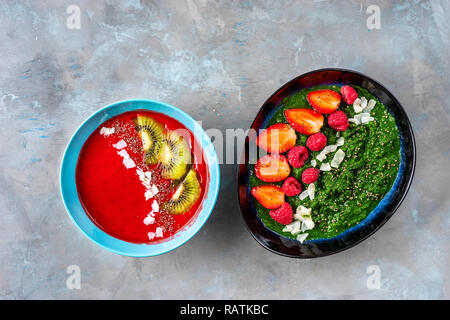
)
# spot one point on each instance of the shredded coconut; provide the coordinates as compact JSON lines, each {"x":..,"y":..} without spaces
{"x":338,"y":158}
{"x":357,"y":105}
{"x":370,"y":105}
{"x":149,"y":220}
{"x":155,"y":206}
{"x":107,"y":131}
{"x":367,"y":119}
{"x":120,"y":145}
{"x":303,"y":195}
{"x":159,"y":232}
{"x":311,"y":191}
{"x":293,"y":228}
{"x":363,"y":102}
{"x":302,"y":236}
{"x":154,"y":190}
{"x":123,"y":153}
{"x":129,"y":163}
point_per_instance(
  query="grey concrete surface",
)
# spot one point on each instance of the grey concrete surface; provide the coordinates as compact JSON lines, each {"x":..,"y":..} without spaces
{"x":219,"y":61}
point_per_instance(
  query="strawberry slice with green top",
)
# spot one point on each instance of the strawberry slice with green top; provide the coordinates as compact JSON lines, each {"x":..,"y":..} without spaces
{"x":324,"y":101}
{"x":270,"y":197}
{"x":277,"y":138}
{"x":272,"y":168}
{"x":305,"y":121}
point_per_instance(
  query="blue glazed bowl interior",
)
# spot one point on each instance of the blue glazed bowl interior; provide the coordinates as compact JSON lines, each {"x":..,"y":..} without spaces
{"x":69,"y":189}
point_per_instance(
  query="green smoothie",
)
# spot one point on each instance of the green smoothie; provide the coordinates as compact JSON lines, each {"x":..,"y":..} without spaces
{"x":344,"y":196}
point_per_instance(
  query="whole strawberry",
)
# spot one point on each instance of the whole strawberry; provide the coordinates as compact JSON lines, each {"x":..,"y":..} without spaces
{"x":338,"y":121}
{"x":283,"y":214}
{"x":310,"y":175}
{"x":316,"y":142}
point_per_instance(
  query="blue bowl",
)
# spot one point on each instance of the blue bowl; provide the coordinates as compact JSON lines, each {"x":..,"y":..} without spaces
{"x":69,"y":189}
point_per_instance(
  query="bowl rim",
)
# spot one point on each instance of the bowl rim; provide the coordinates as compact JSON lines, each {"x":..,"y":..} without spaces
{"x":213,"y":166}
{"x":241,"y":167}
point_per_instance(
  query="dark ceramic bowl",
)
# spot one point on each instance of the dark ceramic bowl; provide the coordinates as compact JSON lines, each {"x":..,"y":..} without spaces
{"x":386,"y":208}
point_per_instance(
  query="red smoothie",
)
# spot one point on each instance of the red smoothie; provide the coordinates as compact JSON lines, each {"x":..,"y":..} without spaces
{"x":110,"y":187}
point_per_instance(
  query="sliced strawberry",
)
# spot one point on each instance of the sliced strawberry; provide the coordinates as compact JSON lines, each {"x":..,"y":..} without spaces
{"x":272,"y":168}
{"x":305,"y":121}
{"x":270,"y":197}
{"x":277,"y":138}
{"x":324,"y":101}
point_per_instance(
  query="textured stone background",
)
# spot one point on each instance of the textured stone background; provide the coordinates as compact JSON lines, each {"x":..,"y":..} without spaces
{"x":219,"y":61}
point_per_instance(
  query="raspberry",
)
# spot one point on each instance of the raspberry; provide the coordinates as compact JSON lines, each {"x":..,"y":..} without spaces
{"x":297,"y":156}
{"x":316,"y":142}
{"x":338,"y":121}
{"x":291,"y":187}
{"x":348,"y":94}
{"x":310,"y":175}
{"x":283,"y":214}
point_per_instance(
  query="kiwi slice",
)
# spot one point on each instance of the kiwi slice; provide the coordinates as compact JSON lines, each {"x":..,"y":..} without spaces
{"x":185,"y":196}
{"x":151,"y":133}
{"x":174,"y":156}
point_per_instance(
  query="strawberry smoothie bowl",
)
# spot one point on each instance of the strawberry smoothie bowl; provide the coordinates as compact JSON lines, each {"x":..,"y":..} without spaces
{"x":335,"y":159}
{"x":139,"y":177}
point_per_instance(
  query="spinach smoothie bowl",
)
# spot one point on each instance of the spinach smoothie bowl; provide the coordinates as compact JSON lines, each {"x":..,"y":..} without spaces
{"x":333,"y":159}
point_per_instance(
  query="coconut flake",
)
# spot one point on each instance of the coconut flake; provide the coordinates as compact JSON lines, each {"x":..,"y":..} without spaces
{"x":321,"y":156}
{"x":363,"y":103}
{"x":302,"y":236}
{"x":370,"y":105}
{"x":149,"y":220}
{"x":340,"y":141}
{"x":311,"y":191}
{"x":128,"y":163}
{"x":159,"y":232}
{"x":145,"y":178}
{"x":151,"y":235}
{"x":293,"y":228}
{"x":330,"y":148}
{"x":338,"y":134}
{"x":154,"y":189}
{"x":338,"y":158}
{"x":140,"y":174}
{"x":120,"y":145}
{"x":148,"y":194}
{"x":325,"y":167}
{"x":155,"y":206}
{"x":357,"y":105}
{"x":313,"y":163}
{"x":107,"y":131}
{"x":353,"y":120}
{"x":302,"y":213}
{"x":146,"y":184}
{"x":123,"y":153}
{"x":303,"y":195}
{"x":367,"y":119}
{"x":307,"y":224}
